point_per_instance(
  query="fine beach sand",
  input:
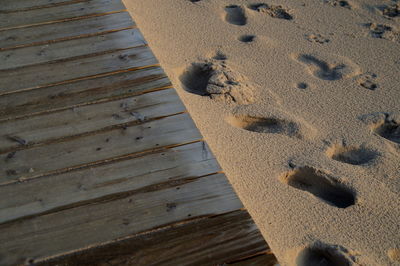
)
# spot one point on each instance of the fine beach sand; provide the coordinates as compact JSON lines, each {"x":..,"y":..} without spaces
{"x":300,"y":103}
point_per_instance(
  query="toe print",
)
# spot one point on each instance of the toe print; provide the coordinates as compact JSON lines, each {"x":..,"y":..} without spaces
{"x":367,"y":81}
{"x":317,"y":38}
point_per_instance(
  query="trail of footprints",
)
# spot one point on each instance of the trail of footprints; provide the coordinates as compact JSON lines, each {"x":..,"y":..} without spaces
{"x":215,"y":79}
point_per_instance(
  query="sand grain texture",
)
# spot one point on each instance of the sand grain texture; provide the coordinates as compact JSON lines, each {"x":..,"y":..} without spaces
{"x":300,"y":103}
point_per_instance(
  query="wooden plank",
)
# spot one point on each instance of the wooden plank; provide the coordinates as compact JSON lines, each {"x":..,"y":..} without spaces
{"x":120,"y":141}
{"x":72,"y":229}
{"x":38,"y":76}
{"x":9,"y":6}
{"x":59,"y":13}
{"x":66,"y":30}
{"x":81,"y":120}
{"x":265,"y":259}
{"x":210,"y":241}
{"x":35,"y":197}
{"x":70,"y":49}
{"x":63,"y":96}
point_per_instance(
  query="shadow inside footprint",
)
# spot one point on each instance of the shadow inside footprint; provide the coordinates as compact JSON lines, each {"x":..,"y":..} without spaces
{"x":351,"y":154}
{"x":321,"y":256}
{"x":195,"y":79}
{"x":320,"y":185}
{"x":246,"y":38}
{"x":265,"y":125}
{"x":389,"y":130}
{"x":322,"y":69}
{"x":215,"y":79}
{"x":235,"y":15}
{"x":273,"y":11}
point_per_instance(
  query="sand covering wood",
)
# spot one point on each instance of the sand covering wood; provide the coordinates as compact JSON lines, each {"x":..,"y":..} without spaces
{"x":300,"y":102}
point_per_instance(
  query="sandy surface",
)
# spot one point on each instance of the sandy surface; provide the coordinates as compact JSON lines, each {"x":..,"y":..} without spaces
{"x":301,"y":106}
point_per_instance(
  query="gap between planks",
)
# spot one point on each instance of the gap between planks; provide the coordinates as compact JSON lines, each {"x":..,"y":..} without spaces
{"x":46,"y":33}
{"x":76,"y":49}
{"x":187,"y":241}
{"x":131,"y":174}
{"x":104,"y":100}
{"x":147,"y":106}
{"x":82,"y":78}
{"x":64,"y":13}
{"x":66,"y":38}
{"x":64,"y":20}
{"x":114,"y":196}
{"x":40,"y":6}
{"x":100,"y":162}
{"x":52,"y":234}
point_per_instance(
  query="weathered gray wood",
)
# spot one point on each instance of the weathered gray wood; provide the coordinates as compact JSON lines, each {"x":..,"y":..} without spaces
{"x":66,"y":30}
{"x":35,"y":197}
{"x":92,"y":224}
{"x":80,"y":92}
{"x":210,"y":241}
{"x":58,"y":13}
{"x":40,"y":160}
{"x":15,"y":6}
{"x":70,"y":49}
{"x":80,"y":120}
{"x":37,"y":76}
{"x":261,"y":260}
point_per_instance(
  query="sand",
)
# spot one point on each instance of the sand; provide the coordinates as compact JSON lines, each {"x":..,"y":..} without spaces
{"x":300,"y":102}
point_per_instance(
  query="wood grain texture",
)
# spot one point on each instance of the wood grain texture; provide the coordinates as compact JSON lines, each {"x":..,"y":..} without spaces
{"x":11,"y":6}
{"x":58,"y":13}
{"x":100,"y":163}
{"x":82,"y":92}
{"x":80,"y":227}
{"x":137,"y":172}
{"x":70,"y":49}
{"x":43,"y":34}
{"x":265,"y":260}
{"x":39,"y":76}
{"x":210,"y":241}
{"x":37,"y":161}
{"x":80,"y":120}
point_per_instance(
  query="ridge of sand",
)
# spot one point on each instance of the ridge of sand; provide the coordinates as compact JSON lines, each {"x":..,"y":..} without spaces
{"x":300,"y":102}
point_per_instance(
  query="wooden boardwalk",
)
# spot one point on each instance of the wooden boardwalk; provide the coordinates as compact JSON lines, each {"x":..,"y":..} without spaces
{"x":100,"y":162}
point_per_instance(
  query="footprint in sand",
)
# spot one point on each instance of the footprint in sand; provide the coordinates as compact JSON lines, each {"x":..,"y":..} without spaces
{"x":317,"y":38}
{"x":215,"y":79}
{"x":235,"y":15}
{"x":302,"y":85}
{"x":246,"y":38}
{"x":391,"y":11}
{"x":273,"y":11}
{"x":323,"y":255}
{"x":321,"y":185}
{"x":382,"y":31}
{"x":341,"y":3}
{"x":355,"y":155}
{"x":388,"y":129}
{"x":324,"y":70}
{"x":366,"y":80}
{"x":265,"y":125}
